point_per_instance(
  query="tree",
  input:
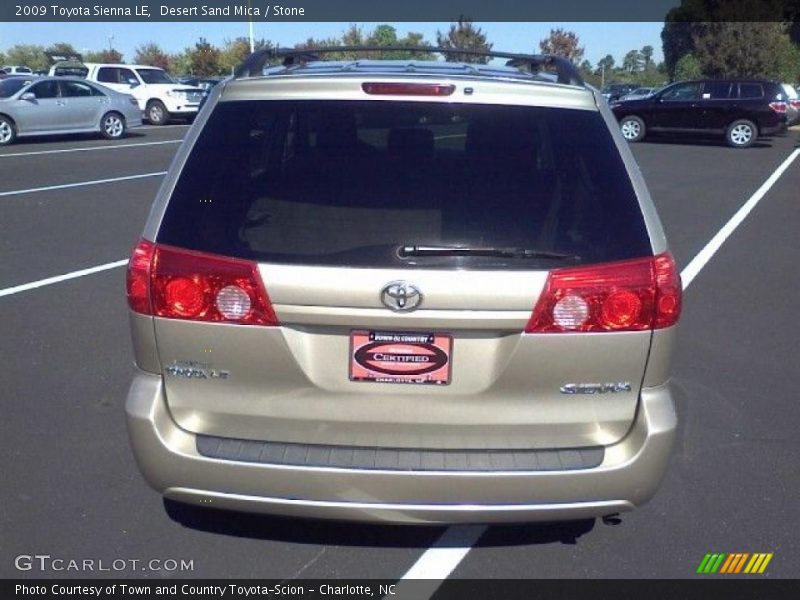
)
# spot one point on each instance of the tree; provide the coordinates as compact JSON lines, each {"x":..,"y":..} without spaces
{"x":606,"y":63}
{"x":416,"y":40}
{"x":382,"y":35}
{"x":103,"y":56}
{"x":151,"y":54}
{"x":735,"y":36}
{"x":28,"y":55}
{"x":386,"y":35}
{"x":647,"y":56}
{"x":687,"y":67}
{"x":738,"y":49}
{"x":464,"y":35}
{"x":233,"y":54}
{"x":235,"y":51}
{"x":788,"y":61}
{"x":180,"y":63}
{"x":562,"y":43}
{"x":632,"y":62}
{"x":61,"y":48}
{"x":204,"y":58}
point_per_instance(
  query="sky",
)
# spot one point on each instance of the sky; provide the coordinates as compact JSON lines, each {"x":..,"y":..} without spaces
{"x":598,"y":39}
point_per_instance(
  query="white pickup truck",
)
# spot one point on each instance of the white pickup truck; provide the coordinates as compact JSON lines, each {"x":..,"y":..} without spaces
{"x":160,"y":97}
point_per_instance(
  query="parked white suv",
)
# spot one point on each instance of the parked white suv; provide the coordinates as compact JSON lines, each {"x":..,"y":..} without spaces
{"x":16,"y":70}
{"x":160,"y":97}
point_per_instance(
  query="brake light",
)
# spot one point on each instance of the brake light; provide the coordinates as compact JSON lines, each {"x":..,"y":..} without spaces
{"x":182,"y":284}
{"x":778,"y":106}
{"x":795,"y":103}
{"x":390,"y":88}
{"x":138,"y":277}
{"x":631,"y":295}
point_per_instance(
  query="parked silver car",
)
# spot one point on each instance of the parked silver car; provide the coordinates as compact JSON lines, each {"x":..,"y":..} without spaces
{"x":32,"y":105}
{"x":792,"y":104}
{"x":638,"y":93}
{"x":409,"y":291}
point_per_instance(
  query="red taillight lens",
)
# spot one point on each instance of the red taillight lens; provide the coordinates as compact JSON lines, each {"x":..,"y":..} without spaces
{"x":631,"y":295}
{"x":382,"y":88}
{"x":795,"y":103}
{"x":778,"y":107}
{"x":138,"y":277}
{"x":183,"y":284}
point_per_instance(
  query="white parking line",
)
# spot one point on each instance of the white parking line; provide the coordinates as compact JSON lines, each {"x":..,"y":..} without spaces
{"x":699,"y":261}
{"x":89,"y":148}
{"x":59,"y":278}
{"x":438,"y":561}
{"x":162,"y":126}
{"x":64,"y":186}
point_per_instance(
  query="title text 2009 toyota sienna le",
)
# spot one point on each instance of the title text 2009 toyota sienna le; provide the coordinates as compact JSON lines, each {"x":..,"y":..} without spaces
{"x":419,"y":292}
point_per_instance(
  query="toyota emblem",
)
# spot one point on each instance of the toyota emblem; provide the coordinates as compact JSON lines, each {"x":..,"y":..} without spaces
{"x":401,"y":296}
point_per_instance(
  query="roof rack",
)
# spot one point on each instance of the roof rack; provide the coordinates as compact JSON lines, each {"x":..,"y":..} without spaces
{"x":254,"y":64}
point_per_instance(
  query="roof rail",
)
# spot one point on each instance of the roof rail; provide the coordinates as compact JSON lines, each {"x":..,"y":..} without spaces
{"x":254,"y":64}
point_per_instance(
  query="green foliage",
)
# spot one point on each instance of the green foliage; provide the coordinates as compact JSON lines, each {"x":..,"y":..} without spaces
{"x":204,"y":58}
{"x":60,"y":48}
{"x":633,"y":62}
{"x":27,"y":55}
{"x":180,"y":63}
{"x":464,"y":35}
{"x":605,"y":64}
{"x":737,"y":49}
{"x":687,"y":67}
{"x":564,"y":43}
{"x":647,"y":56}
{"x":103,"y":56}
{"x":787,"y":61}
{"x":732,"y":38}
{"x":151,"y":54}
{"x":382,"y":35}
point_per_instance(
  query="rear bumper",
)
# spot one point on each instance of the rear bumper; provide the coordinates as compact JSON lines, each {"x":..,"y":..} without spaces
{"x":628,"y":476}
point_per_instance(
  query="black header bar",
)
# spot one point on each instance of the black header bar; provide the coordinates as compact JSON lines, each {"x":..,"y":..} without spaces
{"x":360,"y":11}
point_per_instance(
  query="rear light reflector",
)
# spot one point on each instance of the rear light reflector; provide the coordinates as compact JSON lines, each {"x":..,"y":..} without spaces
{"x":137,"y":282}
{"x":389,"y":88}
{"x":778,"y":107}
{"x":631,"y":295}
{"x":182,"y":284}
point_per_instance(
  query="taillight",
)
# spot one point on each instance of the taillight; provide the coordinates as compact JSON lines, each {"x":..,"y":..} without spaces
{"x":138,"y":277}
{"x":795,"y":104}
{"x":631,"y":295}
{"x":392,"y":88}
{"x":182,"y":284}
{"x":778,"y":107}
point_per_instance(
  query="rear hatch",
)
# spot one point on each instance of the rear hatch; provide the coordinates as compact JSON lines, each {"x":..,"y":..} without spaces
{"x":402,"y":247}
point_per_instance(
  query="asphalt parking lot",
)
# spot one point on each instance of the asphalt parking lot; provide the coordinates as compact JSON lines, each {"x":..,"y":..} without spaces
{"x":71,"y":488}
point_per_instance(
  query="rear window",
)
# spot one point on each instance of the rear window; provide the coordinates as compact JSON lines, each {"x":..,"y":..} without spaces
{"x":348,"y":183}
{"x":751,"y":90}
{"x":717,"y":90}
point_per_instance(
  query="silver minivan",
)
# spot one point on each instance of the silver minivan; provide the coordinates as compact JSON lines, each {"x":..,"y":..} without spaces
{"x":406,"y":291}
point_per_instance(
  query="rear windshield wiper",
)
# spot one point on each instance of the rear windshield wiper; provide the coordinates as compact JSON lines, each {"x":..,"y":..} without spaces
{"x":499,"y":251}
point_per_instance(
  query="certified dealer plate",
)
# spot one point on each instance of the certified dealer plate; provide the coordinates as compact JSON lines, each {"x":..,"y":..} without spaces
{"x":396,"y":357}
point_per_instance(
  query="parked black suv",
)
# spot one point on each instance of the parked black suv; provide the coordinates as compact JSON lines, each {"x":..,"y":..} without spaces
{"x":741,"y":110}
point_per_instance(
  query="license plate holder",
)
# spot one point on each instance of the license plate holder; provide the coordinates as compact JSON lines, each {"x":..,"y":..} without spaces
{"x":400,"y":357}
